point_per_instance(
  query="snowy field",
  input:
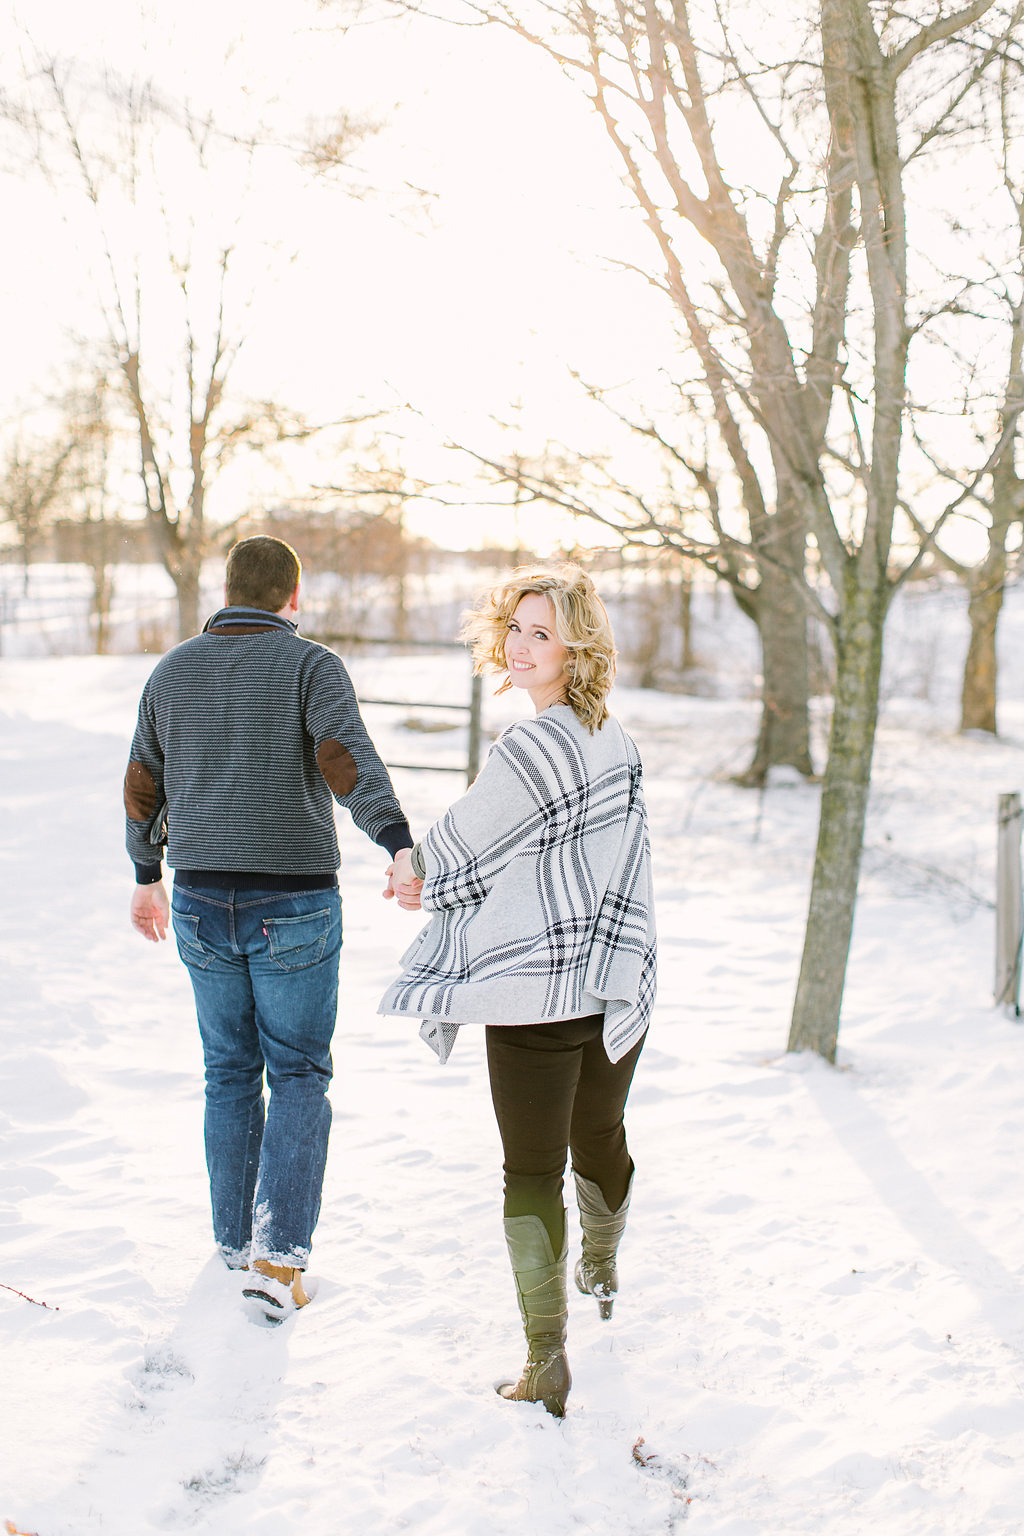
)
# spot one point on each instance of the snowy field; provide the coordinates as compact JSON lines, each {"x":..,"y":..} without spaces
{"x":821,"y":1321}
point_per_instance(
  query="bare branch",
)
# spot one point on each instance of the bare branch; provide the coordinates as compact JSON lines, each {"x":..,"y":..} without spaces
{"x":937,"y":31}
{"x":1005,"y":437}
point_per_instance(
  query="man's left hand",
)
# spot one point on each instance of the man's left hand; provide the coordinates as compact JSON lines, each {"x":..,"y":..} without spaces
{"x":150,"y":911}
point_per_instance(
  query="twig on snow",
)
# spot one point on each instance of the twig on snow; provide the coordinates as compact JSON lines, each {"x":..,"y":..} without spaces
{"x":35,"y":1303}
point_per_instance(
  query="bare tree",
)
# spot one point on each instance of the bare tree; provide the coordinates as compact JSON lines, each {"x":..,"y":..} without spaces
{"x":1000,"y":503}
{"x":165,"y":193}
{"x":685,"y":514}
{"x":986,"y":582}
{"x":33,"y":477}
{"x":370,"y":534}
{"x":94,"y":467}
{"x":869,"y":74}
{"x":771,"y":157}
{"x":1000,"y":497}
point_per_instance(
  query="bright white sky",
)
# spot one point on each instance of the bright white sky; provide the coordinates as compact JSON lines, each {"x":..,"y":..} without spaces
{"x":481,"y":295}
{"x":467,"y":302}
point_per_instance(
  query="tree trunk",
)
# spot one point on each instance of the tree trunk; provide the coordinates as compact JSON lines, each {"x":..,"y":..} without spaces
{"x":649,"y":633}
{"x":779,"y":546}
{"x":985,"y":601}
{"x":987,"y":584}
{"x":102,"y":598}
{"x":401,"y":576}
{"x":192,"y":539}
{"x":784,"y":734}
{"x":688,"y":658}
{"x":815,"y":1023}
{"x":186,"y":581}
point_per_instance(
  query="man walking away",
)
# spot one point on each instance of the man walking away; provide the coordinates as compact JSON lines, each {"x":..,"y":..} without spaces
{"x":244,"y":734}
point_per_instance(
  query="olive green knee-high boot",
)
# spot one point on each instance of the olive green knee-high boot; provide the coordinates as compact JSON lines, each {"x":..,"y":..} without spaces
{"x":602,"y":1231}
{"x":540,"y":1286}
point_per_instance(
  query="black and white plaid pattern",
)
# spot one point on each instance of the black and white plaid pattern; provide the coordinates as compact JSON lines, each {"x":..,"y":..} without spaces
{"x":539,"y":882}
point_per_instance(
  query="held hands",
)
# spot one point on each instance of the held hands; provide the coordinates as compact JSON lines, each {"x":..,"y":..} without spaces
{"x":402,"y":883}
{"x":150,"y":911}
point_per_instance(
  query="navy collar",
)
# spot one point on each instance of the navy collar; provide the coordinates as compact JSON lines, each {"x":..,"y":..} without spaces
{"x":245,"y":619}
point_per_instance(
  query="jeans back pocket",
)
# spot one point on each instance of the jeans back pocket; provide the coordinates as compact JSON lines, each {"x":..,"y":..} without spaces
{"x":298,"y":942}
{"x":190,"y":947}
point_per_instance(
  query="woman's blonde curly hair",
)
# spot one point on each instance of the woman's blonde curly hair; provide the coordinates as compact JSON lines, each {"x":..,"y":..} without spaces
{"x":581,"y":624}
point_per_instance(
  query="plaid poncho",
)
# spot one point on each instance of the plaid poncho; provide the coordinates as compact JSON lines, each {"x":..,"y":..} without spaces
{"x":539,"y":882}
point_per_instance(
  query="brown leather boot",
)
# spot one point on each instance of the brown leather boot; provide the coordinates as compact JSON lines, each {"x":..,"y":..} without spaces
{"x":279,"y":1292}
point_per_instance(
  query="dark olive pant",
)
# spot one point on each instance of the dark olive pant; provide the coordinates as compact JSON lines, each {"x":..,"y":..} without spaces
{"x":555,"y":1091}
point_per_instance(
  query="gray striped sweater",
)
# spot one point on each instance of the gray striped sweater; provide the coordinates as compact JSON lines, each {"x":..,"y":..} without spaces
{"x":244,"y":733}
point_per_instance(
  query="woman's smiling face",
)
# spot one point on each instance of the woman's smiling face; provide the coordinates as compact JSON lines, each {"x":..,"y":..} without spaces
{"x":534,"y":655}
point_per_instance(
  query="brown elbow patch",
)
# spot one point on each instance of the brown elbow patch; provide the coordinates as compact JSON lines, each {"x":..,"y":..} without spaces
{"x":338,"y":767}
{"x":139,"y":792}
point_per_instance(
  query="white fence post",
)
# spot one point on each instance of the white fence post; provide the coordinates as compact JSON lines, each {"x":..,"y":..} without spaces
{"x":1009,"y":906}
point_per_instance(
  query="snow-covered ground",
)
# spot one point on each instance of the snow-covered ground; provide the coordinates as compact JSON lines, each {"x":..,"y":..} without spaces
{"x":820,"y":1327}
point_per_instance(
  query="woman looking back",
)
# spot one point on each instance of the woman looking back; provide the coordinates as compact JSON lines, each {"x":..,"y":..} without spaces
{"x":538,"y":883}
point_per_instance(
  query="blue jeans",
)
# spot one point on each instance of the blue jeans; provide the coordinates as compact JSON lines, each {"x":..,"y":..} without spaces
{"x":264,"y":969}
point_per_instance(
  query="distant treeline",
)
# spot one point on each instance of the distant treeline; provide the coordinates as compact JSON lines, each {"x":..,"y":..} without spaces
{"x":370,"y":543}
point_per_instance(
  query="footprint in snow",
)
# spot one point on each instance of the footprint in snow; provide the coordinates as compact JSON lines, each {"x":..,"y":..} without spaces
{"x":237,"y":1473}
{"x":681,"y":1473}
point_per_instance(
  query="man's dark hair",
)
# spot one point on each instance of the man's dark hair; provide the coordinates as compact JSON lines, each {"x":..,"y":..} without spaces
{"x":261,"y":573}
